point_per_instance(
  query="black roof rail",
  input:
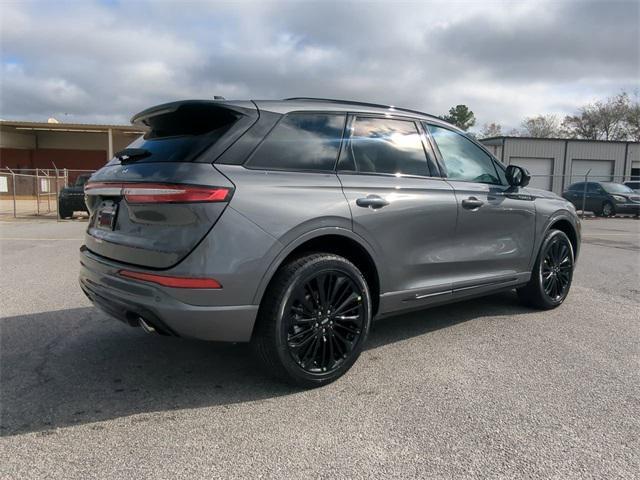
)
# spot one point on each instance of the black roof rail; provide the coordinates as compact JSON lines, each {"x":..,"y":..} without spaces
{"x":362,"y":104}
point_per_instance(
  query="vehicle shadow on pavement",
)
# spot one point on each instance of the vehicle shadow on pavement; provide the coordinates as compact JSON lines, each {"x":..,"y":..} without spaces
{"x":77,"y":366}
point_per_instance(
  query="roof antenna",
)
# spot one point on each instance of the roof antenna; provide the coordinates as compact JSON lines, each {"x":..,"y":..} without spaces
{"x":218,"y":97}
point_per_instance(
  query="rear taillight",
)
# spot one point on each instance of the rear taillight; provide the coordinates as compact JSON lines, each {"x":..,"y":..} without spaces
{"x":174,"y":282}
{"x":160,"y":192}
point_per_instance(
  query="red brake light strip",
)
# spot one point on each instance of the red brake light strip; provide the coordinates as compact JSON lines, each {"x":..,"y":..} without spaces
{"x":174,"y":282}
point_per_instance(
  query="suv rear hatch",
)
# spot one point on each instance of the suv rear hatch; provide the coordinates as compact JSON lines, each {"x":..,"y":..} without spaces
{"x":157,"y":199}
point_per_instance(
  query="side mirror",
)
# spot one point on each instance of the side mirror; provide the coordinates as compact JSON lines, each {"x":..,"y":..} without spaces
{"x":517,"y":176}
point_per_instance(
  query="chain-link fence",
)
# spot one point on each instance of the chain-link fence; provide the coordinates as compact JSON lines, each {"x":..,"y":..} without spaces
{"x":28,"y":193}
{"x":599,"y":194}
{"x":34,"y":192}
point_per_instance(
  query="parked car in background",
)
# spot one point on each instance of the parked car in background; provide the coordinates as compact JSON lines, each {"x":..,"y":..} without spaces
{"x":71,"y":199}
{"x":633,"y":185}
{"x":603,"y":198}
{"x":292,"y":224}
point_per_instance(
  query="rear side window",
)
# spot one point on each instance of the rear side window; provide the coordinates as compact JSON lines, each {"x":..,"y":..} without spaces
{"x":384,"y":145}
{"x":301,"y":141}
{"x":462,"y":158}
{"x":577,"y":187}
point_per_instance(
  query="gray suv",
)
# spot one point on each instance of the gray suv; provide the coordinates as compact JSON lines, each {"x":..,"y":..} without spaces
{"x":292,"y":224}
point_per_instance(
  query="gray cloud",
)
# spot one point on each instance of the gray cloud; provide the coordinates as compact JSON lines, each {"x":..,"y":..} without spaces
{"x":105,"y":61}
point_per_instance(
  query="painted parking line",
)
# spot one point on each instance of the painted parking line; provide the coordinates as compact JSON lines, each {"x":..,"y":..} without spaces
{"x":41,"y":239}
{"x":612,"y":235}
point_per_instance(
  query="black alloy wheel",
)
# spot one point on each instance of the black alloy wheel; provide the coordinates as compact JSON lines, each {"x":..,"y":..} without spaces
{"x":314,"y":320}
{"x":552,"y":273}
{"x":557,"y":268}
{"x":324,"y":320}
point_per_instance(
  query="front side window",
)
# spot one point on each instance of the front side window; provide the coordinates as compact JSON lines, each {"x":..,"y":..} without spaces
{"x":385,"y":146}
{"x":593,"y":188}
{"x":462,"y":158}
{"x":301,"y":141}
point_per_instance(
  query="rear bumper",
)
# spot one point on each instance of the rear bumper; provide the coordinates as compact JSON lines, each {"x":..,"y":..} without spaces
{"x":128,"y":300}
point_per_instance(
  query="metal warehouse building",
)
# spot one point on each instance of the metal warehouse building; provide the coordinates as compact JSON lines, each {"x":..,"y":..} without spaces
{"x":557,"y":163}
{"x":39,"y":145}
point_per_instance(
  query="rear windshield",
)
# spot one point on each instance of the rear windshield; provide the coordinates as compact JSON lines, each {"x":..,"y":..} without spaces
{"x":181,"y":135}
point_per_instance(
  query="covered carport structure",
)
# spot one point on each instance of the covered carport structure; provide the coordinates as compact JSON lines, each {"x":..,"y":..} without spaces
{"x":43,"y":145}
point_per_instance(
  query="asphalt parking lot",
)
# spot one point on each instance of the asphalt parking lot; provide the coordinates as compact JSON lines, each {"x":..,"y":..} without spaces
{"x":480,"y":389}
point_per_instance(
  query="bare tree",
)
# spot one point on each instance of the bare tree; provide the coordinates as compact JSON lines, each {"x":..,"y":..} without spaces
{"x":610,"y":119}
{"x":542,"y":126}
{"x":491,"y":130}
{"x":583,"y":125}
{"x":632,"y":119}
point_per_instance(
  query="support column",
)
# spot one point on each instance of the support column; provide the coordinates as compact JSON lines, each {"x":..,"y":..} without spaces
{"x":110,"y":146}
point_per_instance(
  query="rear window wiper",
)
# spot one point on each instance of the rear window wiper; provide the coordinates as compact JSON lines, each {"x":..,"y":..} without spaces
{"x":132,"y":154}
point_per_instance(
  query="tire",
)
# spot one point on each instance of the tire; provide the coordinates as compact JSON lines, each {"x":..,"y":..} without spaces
{"x":608,"y":210}
{"x":293,"y":340}
{"x":555,"y":261}
{"x":64,"y":211}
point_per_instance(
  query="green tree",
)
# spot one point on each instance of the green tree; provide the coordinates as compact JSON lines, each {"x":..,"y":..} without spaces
{"x":461,"y":117}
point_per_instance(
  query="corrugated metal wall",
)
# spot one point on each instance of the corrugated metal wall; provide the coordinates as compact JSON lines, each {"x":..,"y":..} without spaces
{"x":564,"y":152}
{"x":515,"y":148}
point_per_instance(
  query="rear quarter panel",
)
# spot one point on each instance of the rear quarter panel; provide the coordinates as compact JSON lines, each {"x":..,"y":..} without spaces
{"x":288,"y":207}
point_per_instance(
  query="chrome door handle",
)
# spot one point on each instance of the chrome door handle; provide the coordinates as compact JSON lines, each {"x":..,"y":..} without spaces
{"x":372,"y":201}
{"x":472,"y":203}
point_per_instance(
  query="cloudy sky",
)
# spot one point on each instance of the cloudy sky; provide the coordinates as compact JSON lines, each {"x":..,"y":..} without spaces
{"x":102,"y":61}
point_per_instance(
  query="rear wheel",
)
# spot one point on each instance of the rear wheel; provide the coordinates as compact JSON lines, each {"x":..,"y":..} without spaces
{"x":64,"y":211}
{"x":314,"y":320}
{"x":552,"y":273}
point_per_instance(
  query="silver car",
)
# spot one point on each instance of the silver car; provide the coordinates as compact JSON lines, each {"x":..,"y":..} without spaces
{"x":292,"y":224}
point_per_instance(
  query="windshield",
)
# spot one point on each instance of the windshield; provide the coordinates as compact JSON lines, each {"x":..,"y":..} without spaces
{"x":616,"y":188}
{"x":81,"y":180}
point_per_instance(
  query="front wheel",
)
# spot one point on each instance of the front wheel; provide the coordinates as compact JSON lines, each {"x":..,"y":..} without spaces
{"x":608,"y":210}
{"x":552,"y":273}
{"x":314,"y":320}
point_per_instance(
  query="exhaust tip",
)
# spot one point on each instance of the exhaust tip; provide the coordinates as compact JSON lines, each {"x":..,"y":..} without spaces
{"x":145,"y":326}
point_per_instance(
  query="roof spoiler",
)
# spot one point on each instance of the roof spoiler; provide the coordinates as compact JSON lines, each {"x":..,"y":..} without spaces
{"x":144,"y":118}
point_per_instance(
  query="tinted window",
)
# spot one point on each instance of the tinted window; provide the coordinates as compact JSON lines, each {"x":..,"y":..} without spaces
{"x":462,"y":158}
{"x":383,"y":145}
{"x":594,"y":188}
{"x":183,"y":134}
{"x":301,"y":141}
{"x":577,"y":187}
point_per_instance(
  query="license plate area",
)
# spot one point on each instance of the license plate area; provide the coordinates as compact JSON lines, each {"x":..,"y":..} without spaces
{"x":105,"y":218}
